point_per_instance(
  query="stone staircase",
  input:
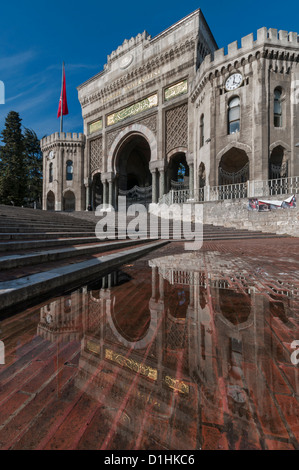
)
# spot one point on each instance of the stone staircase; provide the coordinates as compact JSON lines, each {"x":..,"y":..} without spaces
{"x":210,"y":232}
{"x":41,"y":251}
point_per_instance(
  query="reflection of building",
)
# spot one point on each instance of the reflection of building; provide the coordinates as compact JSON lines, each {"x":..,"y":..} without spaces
{"x":185,"y":345}
{"x":174,"y":111}
{"x":61,"y":319}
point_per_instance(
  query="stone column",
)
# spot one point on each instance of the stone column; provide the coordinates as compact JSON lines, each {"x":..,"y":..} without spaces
{"x":191,"y":179}
{"x":110,"y":192}
{"x":154,"y":187}
{"x":154,"y":280}
{"x":162,"y":183}
{"x":116,"y":192}
{"x":87,"y":197}
{"x":105,"y":192}
{"x":161,"y":287}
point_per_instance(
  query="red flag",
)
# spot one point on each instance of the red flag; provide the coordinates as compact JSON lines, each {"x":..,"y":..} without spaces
{"x":63,"y":98}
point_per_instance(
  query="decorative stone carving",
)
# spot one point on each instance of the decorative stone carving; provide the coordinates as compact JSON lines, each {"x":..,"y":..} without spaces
{"x":176,"y":90}
{"x":96,"y":154}
{"x":135,"y":108}
{"x":111,"y":137}
{"x":150,"y":122}
{"x":176,"y":127}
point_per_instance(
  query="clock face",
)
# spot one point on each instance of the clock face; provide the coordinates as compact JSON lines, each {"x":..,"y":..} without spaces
{"x":51,"y":155}
{"x":234,"y":81}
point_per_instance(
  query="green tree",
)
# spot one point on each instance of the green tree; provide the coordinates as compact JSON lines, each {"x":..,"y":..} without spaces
{"x":13,"y":175}
{"x":34,"y":166}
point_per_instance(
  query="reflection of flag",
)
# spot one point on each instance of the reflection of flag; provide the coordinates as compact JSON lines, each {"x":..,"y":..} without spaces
{"x":63,"y":100}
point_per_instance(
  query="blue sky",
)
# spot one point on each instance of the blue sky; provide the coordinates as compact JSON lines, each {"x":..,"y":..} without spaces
{"x":36,"y":36}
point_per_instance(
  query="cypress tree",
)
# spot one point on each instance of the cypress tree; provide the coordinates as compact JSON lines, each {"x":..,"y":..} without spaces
{"x":13,"y":174}
{"x":34,"y":164}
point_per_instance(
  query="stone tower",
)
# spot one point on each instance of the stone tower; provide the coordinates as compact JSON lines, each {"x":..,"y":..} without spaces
{"x":63,"y":161}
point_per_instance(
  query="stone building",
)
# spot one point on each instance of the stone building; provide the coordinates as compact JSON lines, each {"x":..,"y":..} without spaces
{"x":175,"y":112}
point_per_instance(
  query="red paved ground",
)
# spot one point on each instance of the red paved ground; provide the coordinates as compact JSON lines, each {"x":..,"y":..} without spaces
{"x":151,"y":364}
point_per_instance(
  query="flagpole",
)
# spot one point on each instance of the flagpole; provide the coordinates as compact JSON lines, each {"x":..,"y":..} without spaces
{"x":61,"y":111}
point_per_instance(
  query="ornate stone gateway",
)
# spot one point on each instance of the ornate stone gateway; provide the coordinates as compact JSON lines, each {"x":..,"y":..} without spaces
{"x":133,"y":177}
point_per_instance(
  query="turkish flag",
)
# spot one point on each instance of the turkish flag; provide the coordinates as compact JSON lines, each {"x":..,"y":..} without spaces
{"x":63,"y":98}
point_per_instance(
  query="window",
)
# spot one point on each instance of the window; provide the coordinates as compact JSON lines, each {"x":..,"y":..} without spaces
{"x":234,"y":115}
{"x":202,"y":131}
{"x":51,"y":173}
{"x":277,"y":108}
{"x":69,"y":170}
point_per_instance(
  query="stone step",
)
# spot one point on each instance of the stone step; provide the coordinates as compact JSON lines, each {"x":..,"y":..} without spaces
{"x":47,"y":256}
{"x":22,"y":245}
{"x":44,"y":235}
{"x":25,"y":289}
{"x":21,"y":241}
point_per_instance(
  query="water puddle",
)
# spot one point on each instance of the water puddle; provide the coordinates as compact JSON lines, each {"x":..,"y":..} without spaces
{"x":178,"y":352}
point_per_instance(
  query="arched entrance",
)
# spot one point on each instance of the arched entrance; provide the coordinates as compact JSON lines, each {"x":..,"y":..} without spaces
{"x":134,"y":178}
{"x":96,"y":191}
{"x":69,"y":201}
{"x":178,"y":172}
{"x":278,"y":163}
{"x":233,"y":167}
{"x":50,"y":201}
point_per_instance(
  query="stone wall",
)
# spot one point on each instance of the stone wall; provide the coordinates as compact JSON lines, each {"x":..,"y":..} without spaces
{"x":236,"y":214}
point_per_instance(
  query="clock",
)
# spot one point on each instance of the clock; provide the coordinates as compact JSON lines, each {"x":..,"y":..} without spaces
{"x":126,"y":61}
{"x":234,"y":81}
{"x":51,"y":155}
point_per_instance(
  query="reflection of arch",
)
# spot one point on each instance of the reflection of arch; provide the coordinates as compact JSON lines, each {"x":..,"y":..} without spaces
{"x":147,"y":338}
{"x":134,"y":129}
{"x":278,"y":163}
{"x":50,"y":201}
{"x":233,"y":167}
{"x":132,"y":331}
{"x":234,"y":306}
{"x":131,"y":162}
{"x":69,"y":201}
{"x":235,"y":309}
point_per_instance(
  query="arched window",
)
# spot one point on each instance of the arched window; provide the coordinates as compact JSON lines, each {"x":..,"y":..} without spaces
{"x":51,"y":173}
{"x":202,"y":131}
{"x":69,"y":170}
{"x":277,"y":108}
{"x":234,"y":115}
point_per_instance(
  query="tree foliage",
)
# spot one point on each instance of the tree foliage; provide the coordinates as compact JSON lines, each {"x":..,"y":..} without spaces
{"x":20,"y":164}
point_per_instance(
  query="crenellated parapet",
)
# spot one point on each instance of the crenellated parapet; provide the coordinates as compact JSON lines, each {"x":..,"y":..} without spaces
{"x":269,"y":43}
{"x":143,"y":59}
{"x":66,"y":139}
{"x":127,"y":45}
